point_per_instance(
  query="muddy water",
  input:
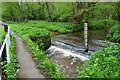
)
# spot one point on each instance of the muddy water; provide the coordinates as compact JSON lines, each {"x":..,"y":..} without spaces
{"x":67,"y":49}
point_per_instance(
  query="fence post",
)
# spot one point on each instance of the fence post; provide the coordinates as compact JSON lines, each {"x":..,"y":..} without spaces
{"x":7,"y":48}
{"x":9,"y":35}
{"x":86,"y":37}
{"x":5,"y":28}
{"x":8,"y":45}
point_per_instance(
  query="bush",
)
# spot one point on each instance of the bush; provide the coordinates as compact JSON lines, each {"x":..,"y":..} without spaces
{"x":40,"y":36}
{"x":103,"y":64}
{"x":97,"y":24}
{"x":110,"y":22}
{"x":114,"y":34}
{"x":102,"y":23}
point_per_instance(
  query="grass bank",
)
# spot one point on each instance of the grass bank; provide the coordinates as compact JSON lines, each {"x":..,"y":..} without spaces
{"x":103,"y":63}
{"x":36,"y":40}
{"x":60,"y":27}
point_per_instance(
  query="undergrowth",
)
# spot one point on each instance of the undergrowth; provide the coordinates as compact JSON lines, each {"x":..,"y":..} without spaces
{"x":29,"y":35}
{"x":114,"y":34}
{"x":104,"y":63}
{"x":10,"y":70}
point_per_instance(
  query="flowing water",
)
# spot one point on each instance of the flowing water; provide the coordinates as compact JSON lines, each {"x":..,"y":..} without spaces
{"x":67,"y":49}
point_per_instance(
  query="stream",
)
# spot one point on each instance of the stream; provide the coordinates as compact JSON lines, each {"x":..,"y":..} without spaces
{"x":67,"y":49}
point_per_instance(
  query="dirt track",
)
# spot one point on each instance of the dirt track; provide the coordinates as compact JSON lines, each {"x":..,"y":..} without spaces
{"x":28,"y":67}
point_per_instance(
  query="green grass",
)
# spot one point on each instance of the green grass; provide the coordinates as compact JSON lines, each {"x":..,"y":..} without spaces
{"x":2,"y":34}
{"x":40,"y":36}
{"x":52,"y":26}
{"x":33,"y":36}
{"x":11,"y":69}
{"x":61,"y":27}
{"x":103,"y":64}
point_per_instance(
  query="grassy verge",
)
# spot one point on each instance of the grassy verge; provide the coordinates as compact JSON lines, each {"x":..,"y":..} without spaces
{"x":103,"y":64}
{"x":61,"y":27}
{"x":49,"y":68}
{"x":66,"y":27}
{"x":33,"y":36}
{"x":10,"y":70}
{"x":40,"y":36}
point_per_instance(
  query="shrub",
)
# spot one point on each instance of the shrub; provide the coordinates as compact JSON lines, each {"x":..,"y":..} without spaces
{"x":103,"y":64}
{"x":110,"y":22}
{"x":114,"y":34}
{"x":40,"y":36}
{"x":97,"y":24}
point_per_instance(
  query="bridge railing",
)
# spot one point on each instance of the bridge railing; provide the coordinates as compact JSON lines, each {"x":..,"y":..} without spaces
{"x":6,"y":44}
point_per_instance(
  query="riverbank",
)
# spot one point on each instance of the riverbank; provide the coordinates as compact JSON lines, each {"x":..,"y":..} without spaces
{"x":36,"y":40}
{"x":66,"y":48}
{"x":60,"y":27}
{"x":72,"y":43}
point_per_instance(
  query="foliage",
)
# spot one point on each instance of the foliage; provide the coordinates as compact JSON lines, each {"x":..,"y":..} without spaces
{"x":103,"y":64}
{"x":51,"y":69}
{"x":101,"y":23}
{"x":29,"y":36}
{"x":40,"y":36}
{"x":110,"y":22}
{"x":97,"y":24}
{"x":2,"y":36}
{"x":61,"y":27}
{"x":11,"y":69}
{"x":73,"y":12}
{"x":102,"y":15}
{"x":42,"y":39}
{"x":114,"y":34}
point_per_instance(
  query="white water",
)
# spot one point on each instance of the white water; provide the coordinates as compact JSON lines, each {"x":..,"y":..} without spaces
{"x":68,"y":53}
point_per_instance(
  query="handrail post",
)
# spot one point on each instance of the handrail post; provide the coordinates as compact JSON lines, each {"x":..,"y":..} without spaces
{"x":7,"y":48}
{"x":8,"y":45}
{"x":9,"y":35}
{"x":5,"y":28}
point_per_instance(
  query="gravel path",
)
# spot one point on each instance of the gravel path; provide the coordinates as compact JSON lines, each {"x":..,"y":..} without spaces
{"x":28,"y":67}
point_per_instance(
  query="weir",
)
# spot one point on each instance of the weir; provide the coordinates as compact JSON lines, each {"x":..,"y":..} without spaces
{"x":68,"y":53}
{"x":67,"y":49}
